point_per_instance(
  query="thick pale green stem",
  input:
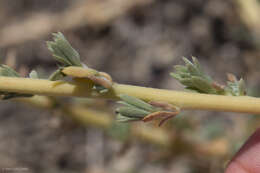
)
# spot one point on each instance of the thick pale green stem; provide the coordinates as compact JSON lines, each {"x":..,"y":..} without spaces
{"x":83,"y":88}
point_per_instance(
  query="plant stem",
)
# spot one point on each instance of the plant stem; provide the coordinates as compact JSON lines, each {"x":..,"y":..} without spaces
{"x":188,"y":100}
{"x":83,"y":88}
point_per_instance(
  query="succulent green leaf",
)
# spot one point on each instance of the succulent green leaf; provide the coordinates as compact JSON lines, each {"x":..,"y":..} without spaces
{"x":132,"y":112}
{"x":192,"y":76}
{"x":202,"y":85}
{"x":121,"y":118}
{"x":126,"y":104}
{"x":176,"y":76}
{"x":57,"y":75}
{"x":192,"y":68}
{"x":137,"y":102}
{"x":236,"y":88}
{"x":184,"y":75}
{"x":197,"y":64}
{"x":188,"y":83}
{"x":62,"y":51}
{"x":180,"y":68}
{"x":7,"y":71}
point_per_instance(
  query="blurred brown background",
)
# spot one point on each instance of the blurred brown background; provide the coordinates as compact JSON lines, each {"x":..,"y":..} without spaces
{"x":137,"y":42}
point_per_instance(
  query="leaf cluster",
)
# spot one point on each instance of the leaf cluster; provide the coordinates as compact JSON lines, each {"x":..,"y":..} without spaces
{"x":63,"y":52}
{"x":192,"y":76}
{"x":67,"y":56}
{"x":133,"y":109}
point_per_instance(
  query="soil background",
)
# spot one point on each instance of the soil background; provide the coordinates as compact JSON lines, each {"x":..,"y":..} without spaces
{"x":137,"y":42}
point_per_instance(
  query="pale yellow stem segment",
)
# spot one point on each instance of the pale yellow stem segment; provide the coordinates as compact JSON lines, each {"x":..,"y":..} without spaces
{"x":79,"y":71}
{"x":188,"y":100}
{"x":249,"y":12}
{"x":89,"y":116}
{"x":83,"y":88}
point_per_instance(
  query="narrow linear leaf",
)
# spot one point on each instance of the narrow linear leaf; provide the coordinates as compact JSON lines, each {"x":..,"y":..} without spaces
{"x":191,"y":68}
{"x":187,"y":82}
{"x":63,"y":52}
{"x":57,"y":75}
{"x":7,"y":71}
{"x":136,"y":102}
{"x":121,"y":118}
{"x":203,"y":85}
{"x":184,"y":75}
{"x":132,"y":112}
{"x":126,"y":104}
{"x":180,"y":68}
{"x":192,"y":77}
{"x":197,"y":65}
{"x":176,"y":76}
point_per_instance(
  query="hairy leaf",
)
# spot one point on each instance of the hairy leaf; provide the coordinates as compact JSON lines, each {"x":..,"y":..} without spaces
{"x":136,"y":102}
{"x":63,"y":52}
